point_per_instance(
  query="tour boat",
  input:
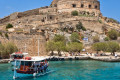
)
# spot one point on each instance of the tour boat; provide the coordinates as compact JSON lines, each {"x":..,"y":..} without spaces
{"x":31,"y":66}
{"x":17,"y":56}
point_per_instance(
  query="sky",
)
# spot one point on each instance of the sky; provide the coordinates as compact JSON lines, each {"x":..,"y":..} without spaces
{"x":109,"y":8}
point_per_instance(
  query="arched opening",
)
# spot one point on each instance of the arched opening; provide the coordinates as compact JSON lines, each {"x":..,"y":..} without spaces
{"x":82,"y":5}
{"x":96,"y":7}
{"x":90,"y":6}
{"x":73,"y":5}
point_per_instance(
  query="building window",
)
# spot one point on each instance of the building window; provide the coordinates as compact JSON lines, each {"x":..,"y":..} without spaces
{"x":90,"y":6}
{"x":73,"y":5}
{"x":50,"y":17}
{"x":96,"y":7}
{"x":82,"y":5}
{"x":55,"y":5}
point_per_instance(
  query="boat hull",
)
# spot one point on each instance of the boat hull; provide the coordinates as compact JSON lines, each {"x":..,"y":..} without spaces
{"x":25,"y":72}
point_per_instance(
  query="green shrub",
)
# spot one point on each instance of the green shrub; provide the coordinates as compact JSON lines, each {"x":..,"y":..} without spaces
{"x":106,"y":38}
{"x":96,"y":38}
{"x":80,"y":26}
{"x":75,"y":37}
{"x":59,"y":38}
{"x":100,"y":21}
{"x":6,"y":35}
{"x":74,"y":13}
{"x":9,"y":26}
{"x":83,"y":28}
{"x":113,"y":34}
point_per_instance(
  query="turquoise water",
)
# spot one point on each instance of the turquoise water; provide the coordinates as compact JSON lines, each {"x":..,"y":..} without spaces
{"x":71,"y":70}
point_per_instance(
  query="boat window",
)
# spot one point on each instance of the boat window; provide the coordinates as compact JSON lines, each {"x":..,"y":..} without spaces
{"x":22,"y":63}
{"x":26,"y":63}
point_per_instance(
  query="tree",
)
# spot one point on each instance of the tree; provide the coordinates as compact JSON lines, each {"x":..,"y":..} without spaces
{"x":96,"y":47}
{"x":1,"y":50}
{"x":113,"y":34}
{"x":96,"y":38}
{"x":80,"y":26}
{"x":75,"y":37}
{"x":10,"y":48}
{"x":9,"y":26}
{"x":59,"y":46}
{"x":6,"y":49}
{"x":74,"y":13}
{"x":113,"y":47}
{"x":103,"y":46}
{"x":58,"y":38}
{"x":51,"y":47}
{"x":106,"y":46}
{"x":75,"y":47}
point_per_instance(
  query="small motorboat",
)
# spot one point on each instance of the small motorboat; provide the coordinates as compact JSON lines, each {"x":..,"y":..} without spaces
{"x":31,"y":66}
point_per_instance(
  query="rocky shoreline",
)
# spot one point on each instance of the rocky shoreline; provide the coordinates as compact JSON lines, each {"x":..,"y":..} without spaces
{"x":57,"y":58}
{"x":101,"y":58}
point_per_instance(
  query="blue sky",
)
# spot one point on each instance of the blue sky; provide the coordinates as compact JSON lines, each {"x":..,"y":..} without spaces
{"x":109,"y":8}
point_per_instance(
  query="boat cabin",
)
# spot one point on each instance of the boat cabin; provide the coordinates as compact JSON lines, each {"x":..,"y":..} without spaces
{"x":29,"y":66}
{"x":18,"y":55}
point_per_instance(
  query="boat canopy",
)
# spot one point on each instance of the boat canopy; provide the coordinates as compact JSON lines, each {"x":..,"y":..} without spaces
{"x":19,"y":53}
{"x":35,"y":59}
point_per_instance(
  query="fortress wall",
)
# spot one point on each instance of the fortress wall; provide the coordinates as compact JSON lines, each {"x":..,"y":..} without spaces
{"x":78,"y":4}
{"x":36,"y":19}
{"x":97,"y":12}
{"x":48,"y":10}
{"x":30,"y":41}
{"x":28,"y":13}
{"x":69,"y":6}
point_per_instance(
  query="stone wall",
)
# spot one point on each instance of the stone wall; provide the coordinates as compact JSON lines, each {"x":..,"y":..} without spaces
{"x":6,"y":19}
{"x":71,"y":5}
{"x":31,"y":42}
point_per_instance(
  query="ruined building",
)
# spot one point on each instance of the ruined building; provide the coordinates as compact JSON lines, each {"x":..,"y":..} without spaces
{"x":56,"y":14}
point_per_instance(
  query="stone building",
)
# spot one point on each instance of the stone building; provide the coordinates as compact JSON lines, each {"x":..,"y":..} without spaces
{"x":59,"y":7}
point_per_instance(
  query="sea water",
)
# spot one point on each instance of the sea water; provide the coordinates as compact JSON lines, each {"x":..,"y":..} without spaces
{"x":70,"y":70}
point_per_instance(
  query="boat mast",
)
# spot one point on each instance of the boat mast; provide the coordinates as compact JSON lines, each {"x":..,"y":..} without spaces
{"x":25,"y":47}
{"x":14,"y":70}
